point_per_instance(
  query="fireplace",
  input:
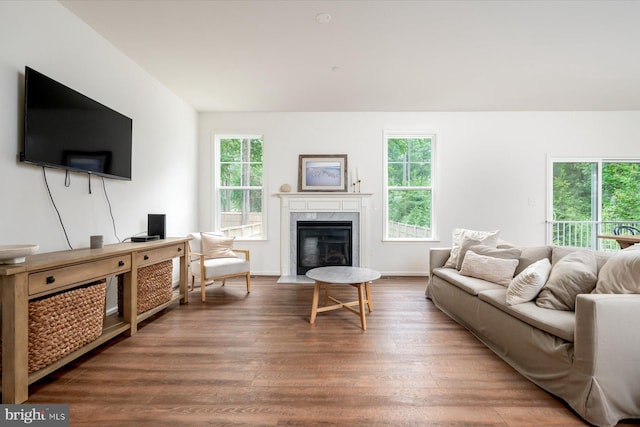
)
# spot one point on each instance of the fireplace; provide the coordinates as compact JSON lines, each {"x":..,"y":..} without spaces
{"x":323,"y":243}
{"x":322,"y":207}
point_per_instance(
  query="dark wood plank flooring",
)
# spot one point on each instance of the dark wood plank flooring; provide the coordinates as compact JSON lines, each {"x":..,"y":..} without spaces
{"x":255,"y":360}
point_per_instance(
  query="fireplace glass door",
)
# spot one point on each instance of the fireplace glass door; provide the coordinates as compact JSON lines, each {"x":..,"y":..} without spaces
{"x":323,"y":243}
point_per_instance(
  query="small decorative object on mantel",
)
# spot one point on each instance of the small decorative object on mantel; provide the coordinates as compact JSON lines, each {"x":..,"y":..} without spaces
{"x":285,"y":188}
{"x":322,"y":172}
{"x":356,"y":183}
{"x":15,"y":254}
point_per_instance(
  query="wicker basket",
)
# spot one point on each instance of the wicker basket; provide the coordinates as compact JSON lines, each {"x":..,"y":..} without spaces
{"x":63,"y":323}
{"x":155,"y":286}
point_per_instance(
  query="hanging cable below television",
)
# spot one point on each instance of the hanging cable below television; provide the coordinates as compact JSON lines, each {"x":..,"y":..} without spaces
{"x":46,"y":183}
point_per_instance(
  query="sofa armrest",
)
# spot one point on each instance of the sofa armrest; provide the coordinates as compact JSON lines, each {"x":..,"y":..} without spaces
{"x":607,"y":349}
{"x":438,"y":257}
{"x":607,"y":328}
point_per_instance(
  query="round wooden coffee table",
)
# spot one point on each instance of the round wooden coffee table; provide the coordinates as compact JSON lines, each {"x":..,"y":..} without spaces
{"x":353,"y":276}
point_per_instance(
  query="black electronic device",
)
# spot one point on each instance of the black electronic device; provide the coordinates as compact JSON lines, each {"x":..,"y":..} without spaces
{"x":156,"y":225}
{"x":65,"y":129}
{"x":138,"y":239}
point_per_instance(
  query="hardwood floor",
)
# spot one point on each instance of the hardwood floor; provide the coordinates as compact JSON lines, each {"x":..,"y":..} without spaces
{"x":256,"y":360}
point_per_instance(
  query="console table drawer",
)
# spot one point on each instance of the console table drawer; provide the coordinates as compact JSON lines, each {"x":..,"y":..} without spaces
{"x":154,"y":256}
{"x":59,"y":278}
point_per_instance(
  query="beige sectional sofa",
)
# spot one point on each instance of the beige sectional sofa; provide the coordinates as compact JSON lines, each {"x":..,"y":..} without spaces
{"x":589,"y":357}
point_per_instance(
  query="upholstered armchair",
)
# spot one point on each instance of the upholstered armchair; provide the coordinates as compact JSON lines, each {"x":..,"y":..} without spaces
{"x":213,"y":258}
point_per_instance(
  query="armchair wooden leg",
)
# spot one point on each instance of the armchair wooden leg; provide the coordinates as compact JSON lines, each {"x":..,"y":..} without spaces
{"x":248,"y":279}
{"x":203,"y":297}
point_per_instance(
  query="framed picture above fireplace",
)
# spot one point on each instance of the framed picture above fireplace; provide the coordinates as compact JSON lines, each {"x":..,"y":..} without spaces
{"x":322,"y":172}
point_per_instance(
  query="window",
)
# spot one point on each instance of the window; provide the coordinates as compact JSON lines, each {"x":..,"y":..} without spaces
{"x":409,"y":186}
{"x":591,"y":197}
{"x":238,"y":209}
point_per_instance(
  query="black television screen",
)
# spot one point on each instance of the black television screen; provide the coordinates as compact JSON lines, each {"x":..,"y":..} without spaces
{"x":65,"y":129}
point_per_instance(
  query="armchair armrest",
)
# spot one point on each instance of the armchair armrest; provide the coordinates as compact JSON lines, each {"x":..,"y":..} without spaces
{"x":202,"y":257}
{"x":245,"y":252}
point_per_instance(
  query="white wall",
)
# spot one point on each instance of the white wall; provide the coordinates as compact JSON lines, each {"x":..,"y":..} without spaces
{"x":491,"y":169}
{"x":50,"y":39}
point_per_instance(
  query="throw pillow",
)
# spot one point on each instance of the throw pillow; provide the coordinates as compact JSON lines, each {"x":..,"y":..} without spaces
{"x":575,"y":273}
{"x":214,"y":246}
{"x":503,"y":253}
{"x":488,"y":238}
{"x":526,"y":285}
{"x":621,"y":274}
{"x":464,"y":247}
{"x":494,"y":270}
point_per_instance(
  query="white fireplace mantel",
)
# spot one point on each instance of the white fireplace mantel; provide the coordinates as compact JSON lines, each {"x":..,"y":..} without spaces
{"x":316,"y":202}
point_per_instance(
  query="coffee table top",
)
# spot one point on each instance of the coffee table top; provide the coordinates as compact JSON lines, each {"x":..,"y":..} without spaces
{"x":346,"y":275}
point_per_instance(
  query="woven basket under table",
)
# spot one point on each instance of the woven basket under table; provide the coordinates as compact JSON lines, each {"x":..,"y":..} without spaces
{"x":155,"y":286}
{"x":63,"y":323}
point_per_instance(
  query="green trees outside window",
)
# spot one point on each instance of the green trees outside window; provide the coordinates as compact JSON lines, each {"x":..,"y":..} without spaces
{"x":409,"y":195}
{"x":239,"y":185}
{"x":591,"y":198}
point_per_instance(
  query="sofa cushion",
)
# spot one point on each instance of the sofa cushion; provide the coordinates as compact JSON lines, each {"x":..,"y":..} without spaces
{"x":561,"y":251}
{"x":555,"y":322}
{"x":526,"y":285}
{"x":488,"y":238}
{"x":621,"y":274}
{"x":464,"y":247}
{"x":529,"y":255}
{"x":503,"y":253}
{"x":470,"y":285}
{"x":495,"y":270}
{"x":573,"y":274}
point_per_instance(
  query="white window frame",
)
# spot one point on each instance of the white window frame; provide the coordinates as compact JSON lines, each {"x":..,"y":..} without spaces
{"x":385,"y":179}
{"x":215,"y":215}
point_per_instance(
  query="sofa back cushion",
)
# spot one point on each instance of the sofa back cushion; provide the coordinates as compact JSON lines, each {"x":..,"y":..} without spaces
{"x":621,"y":274}
{"x":529,"y":255}
{"x":575,"y":273}
{"x":560,"y":251}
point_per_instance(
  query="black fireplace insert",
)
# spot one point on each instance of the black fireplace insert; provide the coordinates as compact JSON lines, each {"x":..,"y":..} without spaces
{"x":323,"y":243}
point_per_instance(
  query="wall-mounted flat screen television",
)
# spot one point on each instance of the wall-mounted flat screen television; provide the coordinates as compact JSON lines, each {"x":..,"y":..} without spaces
{"x":65,"y":129}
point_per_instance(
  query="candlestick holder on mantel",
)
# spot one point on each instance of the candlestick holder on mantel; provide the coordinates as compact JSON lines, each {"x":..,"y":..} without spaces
{"x":355,"y":184}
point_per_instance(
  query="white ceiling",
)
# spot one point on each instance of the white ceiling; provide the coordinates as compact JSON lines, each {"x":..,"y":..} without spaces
{"x":478,"y":55}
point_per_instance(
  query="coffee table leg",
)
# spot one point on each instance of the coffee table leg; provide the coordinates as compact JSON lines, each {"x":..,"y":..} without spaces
{"x":363,"y":319}
{"x":368,"y":291}
{"x":327,"y":288}
{"x":314,"y":304}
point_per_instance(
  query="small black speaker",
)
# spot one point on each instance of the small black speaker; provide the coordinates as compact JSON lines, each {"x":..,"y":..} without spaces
{"x":156,"y":225}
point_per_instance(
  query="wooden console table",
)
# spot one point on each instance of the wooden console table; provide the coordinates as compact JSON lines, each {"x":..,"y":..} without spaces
{"x":49,"y":273}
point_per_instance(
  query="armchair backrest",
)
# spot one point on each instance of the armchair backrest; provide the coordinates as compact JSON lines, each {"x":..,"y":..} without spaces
{"x":195,"y":244}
